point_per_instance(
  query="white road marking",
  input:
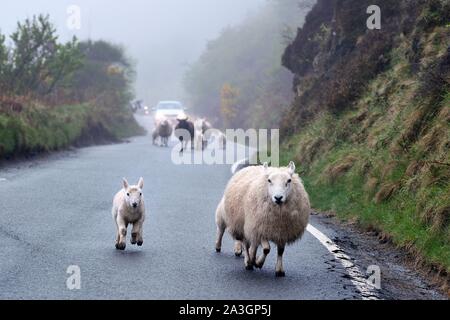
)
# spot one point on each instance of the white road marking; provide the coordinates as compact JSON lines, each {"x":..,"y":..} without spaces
{"x":357,"y":278}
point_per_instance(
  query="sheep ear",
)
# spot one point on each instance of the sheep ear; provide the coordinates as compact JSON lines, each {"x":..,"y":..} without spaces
{"x":125,"y":183}
{"x":291,"y":167}
{"x":141,"y":183}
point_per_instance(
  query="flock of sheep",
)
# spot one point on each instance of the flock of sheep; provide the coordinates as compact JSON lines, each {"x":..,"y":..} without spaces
{"x":198,"y":133}
{"x":260,"y":205}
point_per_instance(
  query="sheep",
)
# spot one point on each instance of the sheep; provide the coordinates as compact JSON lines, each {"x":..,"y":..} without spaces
{"x":218,"y":138}
{"x":222,"y":140}
{"x":129,"y":208}
{"x":202,"y":133}
{"x":185,"y":132}
{"x":263,"y":205}
{"x":155,"y":136}
{"x":164,"y":130}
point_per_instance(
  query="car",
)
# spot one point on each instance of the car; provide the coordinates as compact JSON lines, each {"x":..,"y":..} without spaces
{"x":170,"y":110}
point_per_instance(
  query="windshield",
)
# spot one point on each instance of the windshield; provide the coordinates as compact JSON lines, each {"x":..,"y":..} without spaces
{"x":169,"y":106}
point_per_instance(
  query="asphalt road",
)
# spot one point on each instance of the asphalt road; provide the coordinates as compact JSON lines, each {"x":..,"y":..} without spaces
{"x":57,"y":213}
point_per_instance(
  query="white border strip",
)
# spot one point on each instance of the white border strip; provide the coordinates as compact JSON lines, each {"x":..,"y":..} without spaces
{"x":356,"y":276}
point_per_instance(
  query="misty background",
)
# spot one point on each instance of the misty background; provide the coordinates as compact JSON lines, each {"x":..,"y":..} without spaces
{"x":162,"y":37}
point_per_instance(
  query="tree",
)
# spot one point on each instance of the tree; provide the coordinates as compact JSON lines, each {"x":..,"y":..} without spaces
{"x":38,"y":62}
{"x":228,"y":104}
{"x":249,"y":57}
{"x":4,"y":67}
{"x":106,"y":71}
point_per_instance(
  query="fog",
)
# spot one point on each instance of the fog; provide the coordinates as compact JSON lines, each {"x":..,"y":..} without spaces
{"x":162,"y":36}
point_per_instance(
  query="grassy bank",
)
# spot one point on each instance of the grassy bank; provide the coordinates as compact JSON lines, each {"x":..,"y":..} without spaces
{"x":43,"y":129}
{"x":362,"y":173}
{"x":370,"y":126}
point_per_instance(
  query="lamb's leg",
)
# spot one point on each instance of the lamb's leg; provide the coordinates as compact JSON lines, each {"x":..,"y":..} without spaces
{"x":238,"y":248}
{"x":121,"y":244}
{"x":136,"y":234}
{"x":266,"y":250}
{"x":248,"y":264}
{"x":117,"y":231}
{"x":279,"y":268}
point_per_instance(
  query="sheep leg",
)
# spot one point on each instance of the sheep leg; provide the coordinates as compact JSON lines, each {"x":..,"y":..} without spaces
{"x":238,"y":248}
{"x":220,"y":231}
{"x":266,"y":250}
{"x":252,"y":253}
{"x":247,"y":260}
{"x":136,"y":234}
{"x":279,"y":268}
{"x":122,"y":228}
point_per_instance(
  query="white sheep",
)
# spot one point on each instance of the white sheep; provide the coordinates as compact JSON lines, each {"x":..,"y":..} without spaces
{"x":263,"y":205}
{"x":129,"y":208}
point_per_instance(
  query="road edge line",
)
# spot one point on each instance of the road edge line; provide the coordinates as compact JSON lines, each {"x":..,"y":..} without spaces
{"x":357,"y":278}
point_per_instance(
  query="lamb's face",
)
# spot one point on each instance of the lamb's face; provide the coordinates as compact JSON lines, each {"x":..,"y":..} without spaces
{"x":133,"y":194}
{"x":279,"y":187}
{"x":133,"y":197}
{"x":280,"y":183}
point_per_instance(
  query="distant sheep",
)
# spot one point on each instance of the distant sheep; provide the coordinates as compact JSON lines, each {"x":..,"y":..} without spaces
{"x":129,"y":208}
{"x":202,"y":133}
{"x":262,"y":205}
{"x":219,"y":139}
{"x":185,"y":132}
{"x":155,"y":136}
{"x":164,"y":131}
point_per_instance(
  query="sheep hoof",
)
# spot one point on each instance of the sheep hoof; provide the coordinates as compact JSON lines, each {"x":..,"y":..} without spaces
{"x":140,"y":243}
{"x":238,"y":254}
{"x":280,"y":274}
{"x":249,"y":268}
{"x":259,"y":265}
{"x":121,"y":246}
{"x":218,"y":250}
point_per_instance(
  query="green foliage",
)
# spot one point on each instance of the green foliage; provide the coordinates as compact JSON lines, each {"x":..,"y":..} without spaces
{"x":106,"y":72}
{"x":36,"y":131}
{"x":37,"y":62}
{"x":370,"y":127}
{"x":54,"y":94}
{"x":3,"y":57}
{"x":248,"y":58}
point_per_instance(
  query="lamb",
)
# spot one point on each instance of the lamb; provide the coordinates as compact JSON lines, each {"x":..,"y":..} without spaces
{"x":129,"y":208}
{"x":218,"y":139}
{"x":263,"y":205}
{"x":185,"y":132}
{"x":222,"y":140}
{"x":155,"y":136}
{"x":164,"y":130}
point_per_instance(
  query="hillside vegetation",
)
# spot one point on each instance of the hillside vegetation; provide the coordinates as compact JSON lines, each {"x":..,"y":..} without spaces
{"x":239,"y":81}
{"x":371,"y":118}
{"x":53,"y":94}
